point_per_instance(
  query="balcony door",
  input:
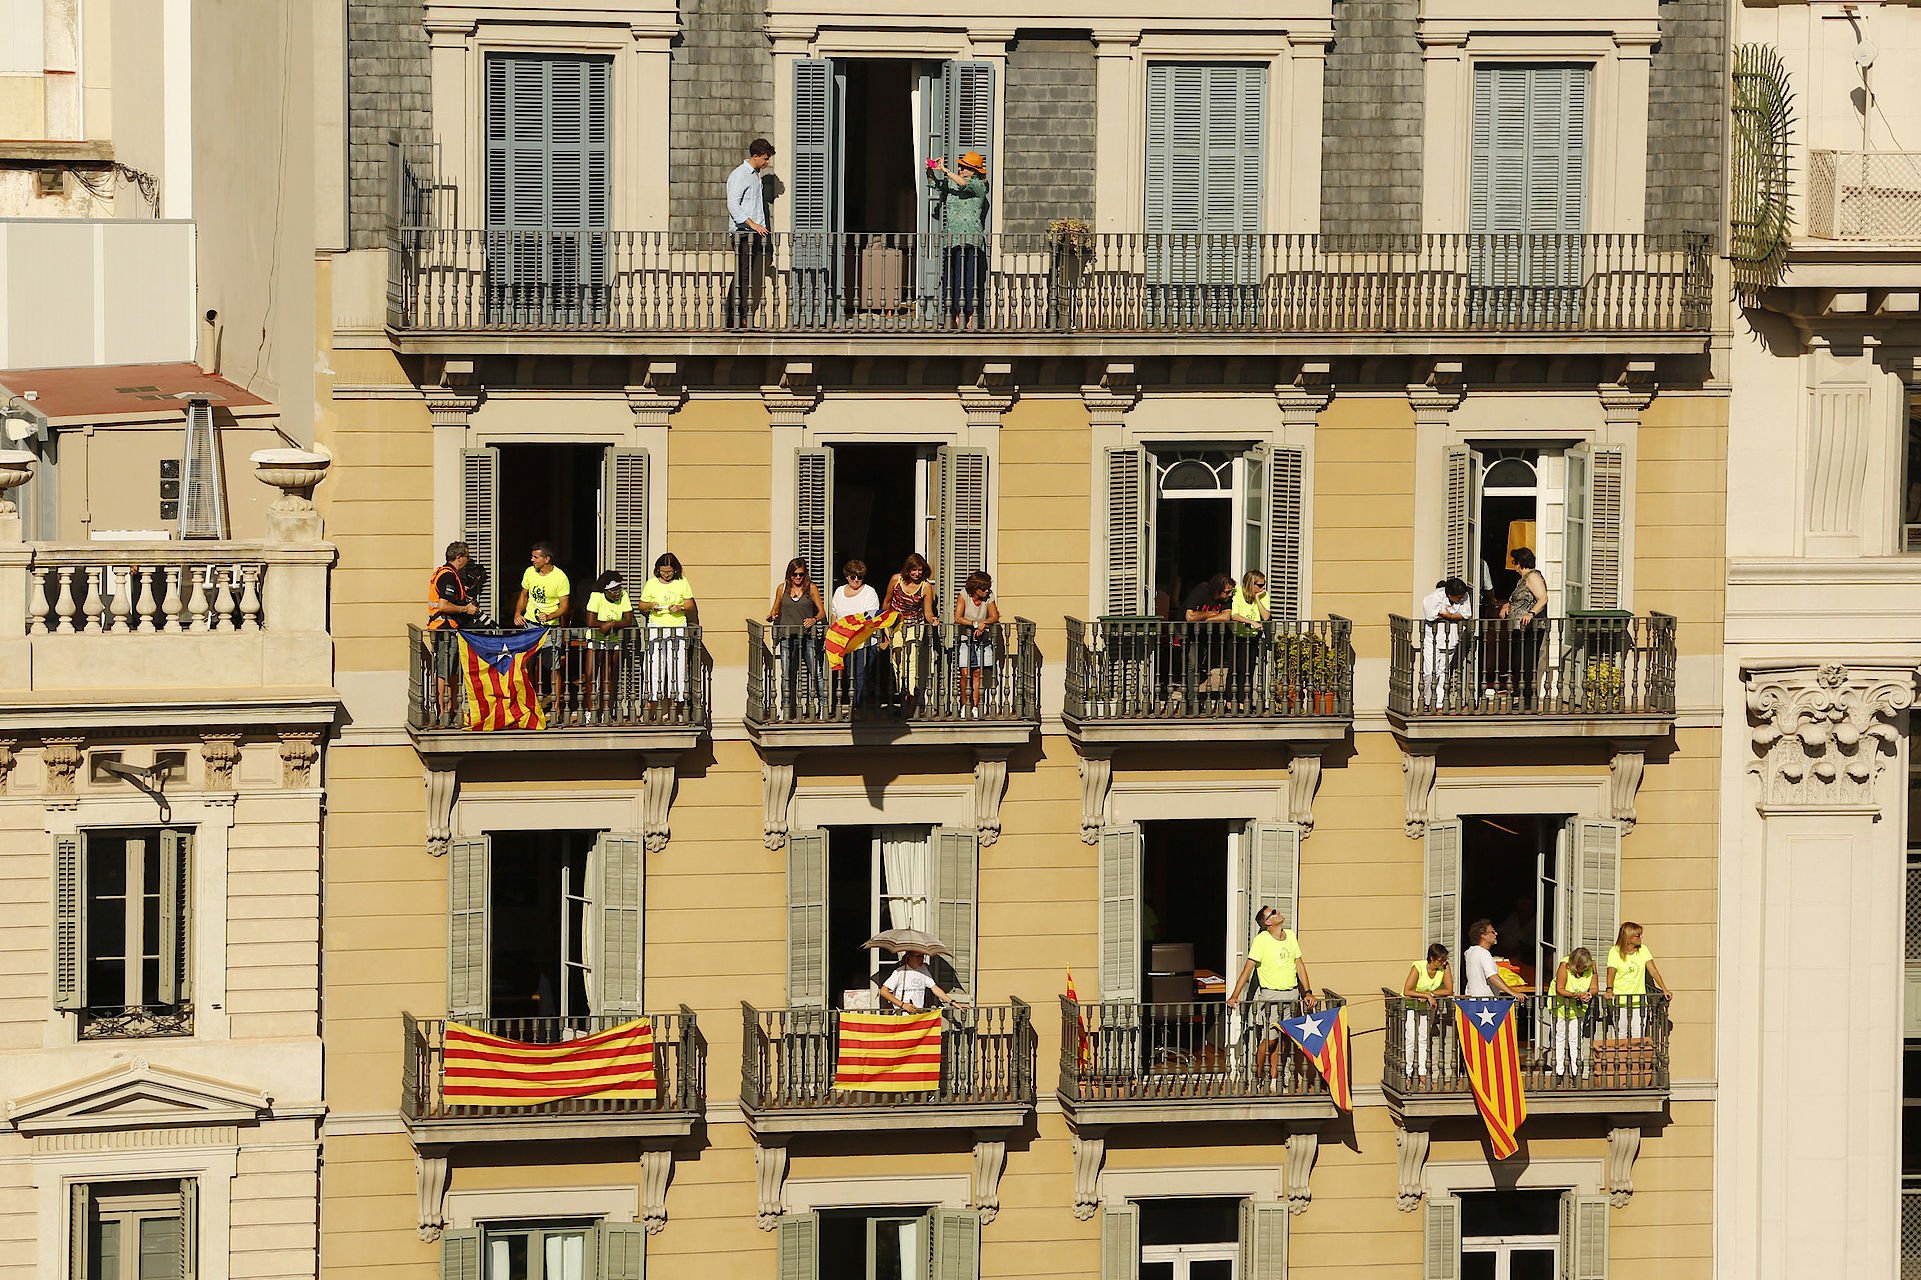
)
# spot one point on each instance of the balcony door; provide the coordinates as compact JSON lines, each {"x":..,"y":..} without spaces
{"x":1527,"y":201}
{"x":1565,"y":503}
{"x":878,"y":502}
{"x":1205,"y":165}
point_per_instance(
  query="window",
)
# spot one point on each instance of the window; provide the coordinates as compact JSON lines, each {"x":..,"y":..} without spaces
{"x":123,"y":930}
{"x":1528,"y":191}
{"x":561,"y":1250}
{"x":1567,"y":504}
{"x":589,"y":500}
{"x":881,"y":1243}
{"x":1517,"y":1235}
{"x":878,"y":502}
{"x":1548,"y":884}
{"x":133,"y":1230}
{"x":1206,"y":155}
{"x":1911,"y":480}
{"x":1194,"y":1238}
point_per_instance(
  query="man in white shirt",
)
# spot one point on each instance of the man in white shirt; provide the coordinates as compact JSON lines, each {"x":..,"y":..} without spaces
{"x":907,"y":986}
{"x":1479,"y":973}
{"x":1445,"y":611}
{"x":747,"y":219}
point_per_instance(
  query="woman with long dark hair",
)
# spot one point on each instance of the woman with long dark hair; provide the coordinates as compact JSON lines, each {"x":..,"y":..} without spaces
{"x":797,"y":613}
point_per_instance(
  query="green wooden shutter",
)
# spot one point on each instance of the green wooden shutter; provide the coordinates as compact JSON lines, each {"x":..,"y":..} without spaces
{"x":1236,"y":115}
{"x":1462,"y":554}
{"x":797,"y":1246}
{"x":548,"y":184}
{"x":957,"y":852}
{"x":1120,"y":1241}
{"x":467,"y":894}
{"x":967,"y":97}
{"x":619,"y":901}
{"x":1497,"y":171}
{"x":480,"y":518}
{"x":176,"y":917}
{"x":1584,"y":1237}
{"x":69,"y":922}
{"x":813,"y":197}
{"x":961,"y":548}
{"x":460,"y":1255}
{"x":1263,"y":1240}
{"x":1277,"y":868}
{"x":1442,"y":920}
{"x":189,"y":1229}
{"x":1579,"y":540}
{"x":814,"y":513}
{"x":1130,"y":490}
{"x":1441,"y":1255}
{"x":624,"y":480}
{"x":1557,"y":164}
{"x":1606,"y":515}
{"x":807,"y":919}
{"x":621,"y":1251}
{"x":1595,"y":848}
{"x":1121,"y":913}
{"x":1286,"y":565}
{"x":79,"y":1229}
{"x":954,"y":1244}
{"x":1205,"y":163}
{"x":1528,"y":177}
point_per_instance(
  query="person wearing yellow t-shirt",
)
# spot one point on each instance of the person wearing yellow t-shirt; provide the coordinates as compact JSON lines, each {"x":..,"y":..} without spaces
{"x":610,"y":610}
{"x":544,"y":591}
{"x":1425,"y":983}
{"x":1282,"y":986}
{"x":1630,"y":965}
{"x":667,"y":600}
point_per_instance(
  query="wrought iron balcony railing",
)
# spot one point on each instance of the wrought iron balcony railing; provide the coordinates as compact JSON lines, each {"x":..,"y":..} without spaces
{"x":1185,"y":1051}
{"x":636,"y":678}
{"x":1150,"y":669}
{"x":1870,"y":196}
{"x":1611,"y":1044}
{"x":1580,"y":667}
{"x":136,"y":1022}
{"x":917,"y":673}
{"x":787,"y":1061}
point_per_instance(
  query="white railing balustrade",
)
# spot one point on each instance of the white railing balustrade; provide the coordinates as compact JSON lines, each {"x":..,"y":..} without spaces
{"x":96,"y":589}
{"x":1865,"y":195}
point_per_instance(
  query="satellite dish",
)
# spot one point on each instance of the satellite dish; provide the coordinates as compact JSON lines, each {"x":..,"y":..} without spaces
{"x":1865,"y":53}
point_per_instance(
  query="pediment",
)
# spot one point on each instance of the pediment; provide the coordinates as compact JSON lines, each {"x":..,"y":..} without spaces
{"x":136,"y":1095}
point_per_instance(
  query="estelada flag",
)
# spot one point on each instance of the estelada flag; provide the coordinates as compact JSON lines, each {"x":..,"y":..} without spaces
{"x":1323,"y":1038}
{"x":851,"y":632}
{"x":499,"y":678}
{"x":886,"y":1053}
{"x":1493,"y":1056}
{"x":484,"y":1070}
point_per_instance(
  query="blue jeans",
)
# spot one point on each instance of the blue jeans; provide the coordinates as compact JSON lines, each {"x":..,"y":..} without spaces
{"x":966,"y":272}
{"x":800,"y":660}
{"x":860,"y":668}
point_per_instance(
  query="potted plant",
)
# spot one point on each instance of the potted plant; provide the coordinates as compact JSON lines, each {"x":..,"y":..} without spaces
{"x":1603,"y":685}
{"x":1321,"y":675}
{"x":1307,"y":673}
{"x":1070,"y":246}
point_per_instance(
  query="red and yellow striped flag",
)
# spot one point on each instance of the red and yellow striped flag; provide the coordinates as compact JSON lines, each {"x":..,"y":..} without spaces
{"x":1493,"y":1057}
{"x":484,"y":1070}
{"x":498,"y":675}
{"x":885,"y":1053}
{"x":851,"y":632}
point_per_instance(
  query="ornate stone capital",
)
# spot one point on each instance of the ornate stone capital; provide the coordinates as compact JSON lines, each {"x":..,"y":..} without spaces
{"x":1629,"y":392}
{"x":62,"y":758}
{"x":1438,"y":393}
{"x":8,"y":758}
{"x":456,"y":397}
{"x":298,"y":754}
{"x":1303,"y":399}
{"x":219,"y":756}
{"x":1822,"y":735}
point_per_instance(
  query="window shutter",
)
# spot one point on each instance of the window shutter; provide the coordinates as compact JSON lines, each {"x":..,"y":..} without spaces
{"x":967,"y":90}
{"x":1584,"y":1237}
{"x":460,"y":1254}
{"x":480,"y":517}
{"x":1579,"y":541}
{"x":1442,"y":1254}
{"x":1236,"y":120}
{"x":1606,"y":515}
{"x":1263,"y":1240}
{"x":807,"y":919}
{"x":1463,"y":534}
{"x":1121,"y":914}
{"x":189,"y":1229}
{"x":811,"y":196}
{"x":1277,"y":869}
{"x":79,"y":1229}
{"x":176,"y":917}
{"x":814,"y":513}
{"x":1206,"y":156}
{"x":548,"y":172}
{"x":1596,"y":847}
{"x":467,"y":885}
{"x":962,"y":532}
{"x":624,"y":482}
{"x":1443,"y":860}
{"x":69,"y":923}
{"x":957,"y":854}
{"x":797,"y":1246}
{"x":1557,"y":171}
{"x":1497,"y":173}
{"x":1286,"y":532}
{"x":619,"y":901}
{"x":954,"y":1243}
{"x":622,"y":1251}
{"x":1120,"y":1241}
{"x":1129,"y":500}
{"x":1254,"y":465}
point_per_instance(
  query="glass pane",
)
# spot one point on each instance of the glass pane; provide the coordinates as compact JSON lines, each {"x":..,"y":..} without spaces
{"x":898,"y":1249}
{"x":507,"y":1258}
{"x":1511,"y":1213}
{"x":1477,"y":1266}
{"x":1510,"y":473}
{"x":1531,"y":1264}
{"x":565,"y":1257}
{"x":1211,"y":1269}
{"x":106,"y":1251}
{"x":1209,"y":1220}
{"x":160,"y":1249}
{"x":1157,"y":1271}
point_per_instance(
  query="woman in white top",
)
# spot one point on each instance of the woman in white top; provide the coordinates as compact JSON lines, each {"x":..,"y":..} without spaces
{"x":1444,"y":613}
{"x":906,"y":987}
{"x":854,"y":598}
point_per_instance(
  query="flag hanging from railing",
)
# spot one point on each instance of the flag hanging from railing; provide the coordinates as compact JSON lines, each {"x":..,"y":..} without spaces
{"x":851,"y":632}
{"x":1080,"y":1018}
{"x":499,"y":675}
{"x":1323,"y":1038}
{"x":1493,"y":1056}
{"x":886,"y":1053}
{"x":479,"y":1069}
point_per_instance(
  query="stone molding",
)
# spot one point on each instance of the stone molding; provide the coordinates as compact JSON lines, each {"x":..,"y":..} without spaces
{"x":1822,"y":735}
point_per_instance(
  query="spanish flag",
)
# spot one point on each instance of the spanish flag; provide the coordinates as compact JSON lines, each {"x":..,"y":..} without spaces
{"x":851,"y":632}
{"x":884,"y":1053}
{"x":1493,"y":1057}
{"x":499,"y":678}
{"x":483,"y":1070}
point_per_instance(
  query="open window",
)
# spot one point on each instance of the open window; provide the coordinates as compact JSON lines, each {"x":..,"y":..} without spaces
{"x":1516,"y":1235}
{"x":123,"y":930}
{"x":882,"y":1243}
{"x":878,"y":502}
{"x":561,"y":1249}
{"x":590,"y":501}
{"x":1194,"y":1238}
{"x":1565,"y":503}
{"x":133,"y":1230}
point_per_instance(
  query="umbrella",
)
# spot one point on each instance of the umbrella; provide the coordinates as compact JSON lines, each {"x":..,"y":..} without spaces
{"x":899,"y":940}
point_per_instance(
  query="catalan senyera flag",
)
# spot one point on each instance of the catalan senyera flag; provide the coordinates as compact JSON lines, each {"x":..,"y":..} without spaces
{"x":887,"y":1053}
{"x":1087,"y":1047}
{"x":851,"y":632}
{"x":499,"y":678}
{"x":1493,"y":1055}
{"x":484,"y":1070}
{"x":1322,"y":1036}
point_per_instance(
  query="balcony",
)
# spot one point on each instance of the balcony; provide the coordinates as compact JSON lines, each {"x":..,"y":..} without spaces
{"x":925,"y":688}
{"x":629,"y":690}
{"x":1143,"y":680}
{"x":1124,"y":1063}
{"x":787,"y":1074}
{"x":1865,"y":197}
{"x":1594,"y":676}
{"x":455,"y":290}
{"x":680,"y":1069}
{"x":1610,"y":1061}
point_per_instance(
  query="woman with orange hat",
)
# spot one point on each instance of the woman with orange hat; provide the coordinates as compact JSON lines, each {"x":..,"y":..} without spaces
{"x":964,"y":198}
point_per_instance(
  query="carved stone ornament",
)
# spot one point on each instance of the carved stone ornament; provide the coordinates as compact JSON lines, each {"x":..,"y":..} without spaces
{"x":1823,"y":735}
{"x":220,"y":756}
{"x":1090,"y":1152}
{"x":298,"y":754}
{"x":8,"y":759}
{"x":770,"y":1183}
{"x":430,"y":1188}
{"x":62,"y":758}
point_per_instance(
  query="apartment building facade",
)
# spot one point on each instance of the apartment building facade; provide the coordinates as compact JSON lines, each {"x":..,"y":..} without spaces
{"x":1361,"y":297}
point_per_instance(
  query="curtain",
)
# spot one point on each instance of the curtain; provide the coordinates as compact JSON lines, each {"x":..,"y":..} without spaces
{"x":906,"y":876}
{"x":565,"y":1257}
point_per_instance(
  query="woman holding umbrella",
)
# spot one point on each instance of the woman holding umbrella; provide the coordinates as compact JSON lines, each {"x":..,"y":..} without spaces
{"x":906,"y":988}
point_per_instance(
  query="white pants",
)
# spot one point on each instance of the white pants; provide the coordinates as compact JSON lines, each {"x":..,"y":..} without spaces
{"x":667,"y":665}
{"x":1630,"y":1018}
{"x":1420,"y":1037}
{"x":1570,"y":1048}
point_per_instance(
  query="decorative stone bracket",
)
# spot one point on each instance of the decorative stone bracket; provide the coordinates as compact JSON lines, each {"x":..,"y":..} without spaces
{"x":657,"y":800}
{"x":1090,"y":1152}
{"x":1824,"y":735}
{"x":990,"y":787}
{"x":1302,"y":1147}
{"x":299,"y":752}
{"x":219,"y":757}
{"x":990,"y":1158}
{"x":1624,"y":783}
{"x":658,"y":396}
{"x":990,"y":395}
{"x":1417,"y":781}
{"x":794,"y":397}
{"x":1097,"y":780}
{"x":777,"y":794}
{"x":1624,"y":1144}
{"x":770,"y":1181}
{"x":443,"y":787}
{"x":430,"y":1186}
{"x":1303,"y":781}
{"x":62,"y":758}
{"x":656,"y":1171}
{"x":1411,"y":1163}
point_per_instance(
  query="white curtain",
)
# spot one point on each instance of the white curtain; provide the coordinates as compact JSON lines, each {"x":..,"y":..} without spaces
{"x":906,"y":876}
{"x":590,"y":925}
{"x":566,"y":1258}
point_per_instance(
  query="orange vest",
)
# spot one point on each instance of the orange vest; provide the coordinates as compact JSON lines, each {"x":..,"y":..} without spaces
{"x":436,"y":620}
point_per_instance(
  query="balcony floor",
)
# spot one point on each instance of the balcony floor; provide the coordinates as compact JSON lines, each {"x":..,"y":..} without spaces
{"x":480,"y":1127}
{"x":779,"y":1121}
{"x":463,"y":742}
{"x":894,"y":733}
{"x":1508,"y":727}
{"x":1572,"y":1102}
{"x":1290,"y":1109}
{"x":1206,"y":731}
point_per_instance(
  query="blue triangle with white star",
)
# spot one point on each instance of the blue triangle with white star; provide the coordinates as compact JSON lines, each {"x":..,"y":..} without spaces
{"x":1485,"y":1016}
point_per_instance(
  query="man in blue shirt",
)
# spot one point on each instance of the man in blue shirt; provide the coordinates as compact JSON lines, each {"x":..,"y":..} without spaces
{"x":747,"y":219}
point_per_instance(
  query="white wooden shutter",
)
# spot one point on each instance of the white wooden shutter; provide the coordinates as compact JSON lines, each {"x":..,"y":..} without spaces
{"x":621,"y":1251}
{"x":1121,"y":913}
{"x":1606,"y":516}
{"x":189,"y":1229}
{"x":956,"y":865}
{"x":627,"y":500}
{"x":620,"y":915}
{"x":814,"y":513}
{"x":1584,"y":1237}
{"x":79,"y":1230}
{"x":954,"y":1244}
{"x":467,"y":894}
{"x":1277,"y":868}
{"x":961,"y":548}
{"x":1253,"y":511}
{"x":1286,"y":565}
{"x":1579,"y":540}
{"x":480,"y":518}
{"x":1595,"y":848}
{"x":1263,"y":1240}
{"x":1120,"y":1241}
{"x":1462,"y":557}
{"x":1130,"y":489}
{"x":69,"y":922}
{"x":176,"y":917}
{"x":1441,"y":1254}
{"x":460,"y":1254}
{"x":807,"y":919}
{"x":797,"y":1247}
{"x":1442,"y":919}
